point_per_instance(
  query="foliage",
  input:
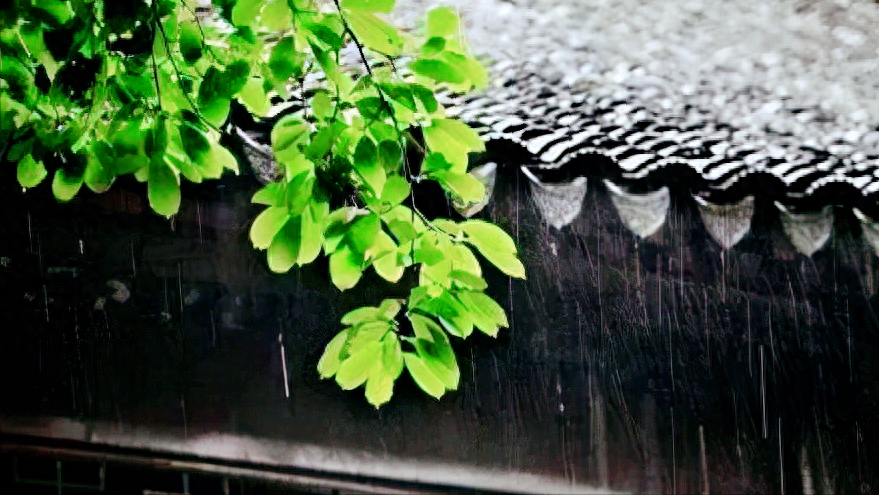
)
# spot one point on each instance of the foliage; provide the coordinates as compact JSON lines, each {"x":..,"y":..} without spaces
{"x":95,"y":90}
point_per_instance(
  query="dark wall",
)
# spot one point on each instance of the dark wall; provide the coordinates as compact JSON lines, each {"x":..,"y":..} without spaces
{"x":627,"y":363}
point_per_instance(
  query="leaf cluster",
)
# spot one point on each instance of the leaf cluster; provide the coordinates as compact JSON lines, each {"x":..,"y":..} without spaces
{"x":93,"y":90}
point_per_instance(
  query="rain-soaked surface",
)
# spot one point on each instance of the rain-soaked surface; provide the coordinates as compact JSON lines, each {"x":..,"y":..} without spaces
{"x":662,"y":364}
{"x":657,"y":365}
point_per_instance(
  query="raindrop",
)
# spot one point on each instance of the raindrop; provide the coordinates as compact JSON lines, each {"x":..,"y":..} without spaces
{"x":704,"y":457}
{"x":763,"y":392}
{"x":780,"y":457}
{"x":772,"y":337}
{"x":750,"y":347}
{"x":681,"y":234}
{"x":46,"y":301}
{"x":198,"y":214}
{"x":858,"y":440}
{"x":30,"y":232}
{"x":180,"y":287}
{"x":674,"y":458}
{"x":213,"y":330}
{"x":133,"y":263}
{"x":185,"y":424}
{"x":284,"y":365}
{"x":81,"y":247}
{"x":723,"y":275}
{"x":707,"y":334}
{"x":659,"y":289}
{"x":848,"y":331}
{"x":806,"y":471}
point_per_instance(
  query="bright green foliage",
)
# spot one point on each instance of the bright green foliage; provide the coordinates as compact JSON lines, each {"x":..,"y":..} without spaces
{"x":94,"y":90}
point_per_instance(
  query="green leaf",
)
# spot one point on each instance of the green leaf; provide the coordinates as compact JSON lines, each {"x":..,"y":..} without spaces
{"x":284,"y":249}
{"x":388,"y":266}
{"x":235,"y":76}
{"x":382,"y":245}
{"x":465,"y":186}
{"x":435,"y":162}
{"x":253,"y":96}
{"x":437,"y":70}
{"x":450,"y":312}
{"x":336,"y":226}
{"x":312,"y":237}
{"x":345,"y":267}
{"x":488,"y":234}
{"x":355,"y":370}
{"x":190,"y":41}
{"x":299,"y":192}
{"x":371,"y":108}
{"x":272,"y":194}
{"x":366,"y":164}
{"x":454,"y":139}
{"x":327,"y":62}
{"x":424,"y":327}
{"x":396,"y":190}
{"x":287,"y":132}
{"x":330,"y":360}
{"x":392,"y":355}
{"x":359,"y":315}
{"x":375,"y":33}
{"x":163,"y":188}
{"x":59,"y":10}
{"x":389,"y":308}
{"x":325,"y":35}
{"x":363,"y":231}
{"x":96,"y":176}
{"x":427,"y":251}
{"x":379,"y":386}
{"x":423,"y":376}
{"x":369,"y":5}
{"x":267,"y":225}
{"x":442,"y":21}
{"x":35,"y":43}
{"x":468,"y":279}
{"x":285,"y":61}
{"x":488,"y":316}
{"x":30,"y":172}
{"x":244,"y":12}
{"x":433,"y":46}
{"x":215,"y":110}
{"x":366,"y":333}
{"x":65,"y":185}
{"x":425,"y":96}
{"x":321,"y":105}
{"x":401,"y":93}
{"x":323,"y":140}
{"x":194,"y":140}
{"x":390,"y":156}
{"x":440,"y":359}
{"x":505,"y":262}
{"x":476,"y":73}
{"x":295,"y":165}
{"x":178,"y":160}
{"x":221,"y":158}
{"x":277,"y":15}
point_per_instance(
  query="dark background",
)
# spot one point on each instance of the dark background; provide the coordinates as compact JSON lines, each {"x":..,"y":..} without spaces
{"x":626,"y":360}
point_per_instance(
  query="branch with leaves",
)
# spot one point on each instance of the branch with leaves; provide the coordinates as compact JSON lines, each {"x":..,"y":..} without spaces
{"x":158,"y":85}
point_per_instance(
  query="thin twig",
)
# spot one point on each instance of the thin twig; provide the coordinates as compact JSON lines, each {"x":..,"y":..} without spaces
{"x":180,"y":78}
{"x":200,"y":30}
{"x":387,"y":106}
